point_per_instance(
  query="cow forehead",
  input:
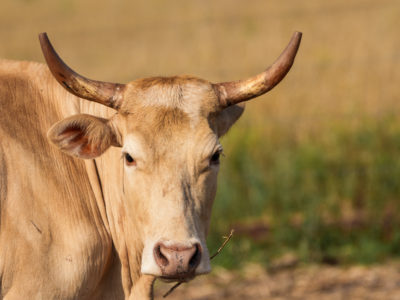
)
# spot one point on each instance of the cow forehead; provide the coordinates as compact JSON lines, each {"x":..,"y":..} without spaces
{"x":161,"y":130}
{"x":165,"y":111}
{"x":191,"y":95}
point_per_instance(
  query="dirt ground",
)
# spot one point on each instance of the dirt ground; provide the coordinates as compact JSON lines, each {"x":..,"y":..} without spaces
{"x":379,"y":282}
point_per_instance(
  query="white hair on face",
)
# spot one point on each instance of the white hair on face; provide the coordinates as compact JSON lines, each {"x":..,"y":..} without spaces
{"x":134,"y":146}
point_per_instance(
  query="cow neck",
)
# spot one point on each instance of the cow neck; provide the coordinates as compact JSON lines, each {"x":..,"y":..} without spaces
{"x":106,"y":177}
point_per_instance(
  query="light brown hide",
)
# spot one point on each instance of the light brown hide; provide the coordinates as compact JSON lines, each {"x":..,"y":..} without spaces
{"x":52,"y":235}
{"x":76,"y":229}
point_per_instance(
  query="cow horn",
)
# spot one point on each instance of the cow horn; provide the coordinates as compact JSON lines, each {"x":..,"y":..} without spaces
{"x":233,"y":92}
{"x":109,"y":94}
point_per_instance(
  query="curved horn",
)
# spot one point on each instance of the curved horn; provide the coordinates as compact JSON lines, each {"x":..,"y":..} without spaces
{"x":109,"y":94}
{"x":233,"y":92}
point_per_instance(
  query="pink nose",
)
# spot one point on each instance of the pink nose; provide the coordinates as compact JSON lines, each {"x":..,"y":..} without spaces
{"x":177,"y":261}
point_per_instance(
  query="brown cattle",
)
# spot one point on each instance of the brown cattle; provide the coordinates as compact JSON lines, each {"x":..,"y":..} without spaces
{"x":128,"y":198}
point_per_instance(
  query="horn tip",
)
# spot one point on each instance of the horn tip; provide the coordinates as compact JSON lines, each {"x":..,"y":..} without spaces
{"x":42,"y":34}
{"x":43,"y":37}
{"x":297,"y":35}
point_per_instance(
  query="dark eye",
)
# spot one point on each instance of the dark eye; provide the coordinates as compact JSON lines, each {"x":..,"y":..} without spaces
{"x":214,"y":160}
{"x":130,"y":161}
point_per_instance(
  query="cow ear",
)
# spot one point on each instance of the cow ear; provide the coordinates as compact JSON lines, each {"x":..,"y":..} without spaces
{"x":83,"y":136}
{"x":227,"y":117}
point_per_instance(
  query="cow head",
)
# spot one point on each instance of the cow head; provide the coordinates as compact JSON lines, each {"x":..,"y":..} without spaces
{"x":168,"y":131}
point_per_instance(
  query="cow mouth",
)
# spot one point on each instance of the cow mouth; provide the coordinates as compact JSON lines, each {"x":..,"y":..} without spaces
{"x":177,"y":277}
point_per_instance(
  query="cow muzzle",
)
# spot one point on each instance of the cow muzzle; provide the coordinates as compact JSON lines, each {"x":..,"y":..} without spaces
{"x":177,"y":261}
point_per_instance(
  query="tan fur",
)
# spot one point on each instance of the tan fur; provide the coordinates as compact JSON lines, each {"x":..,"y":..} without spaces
{"x":83,"y":229}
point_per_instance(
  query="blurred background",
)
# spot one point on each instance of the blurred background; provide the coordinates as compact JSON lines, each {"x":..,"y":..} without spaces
{"x":310,"y":177}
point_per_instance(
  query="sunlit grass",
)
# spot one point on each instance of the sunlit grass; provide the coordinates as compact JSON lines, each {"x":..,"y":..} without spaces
{"x":314,"y":165}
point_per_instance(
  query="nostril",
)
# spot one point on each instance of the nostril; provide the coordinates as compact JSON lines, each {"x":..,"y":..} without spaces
{"x":195,"y":260}
{"x":160,"y":257}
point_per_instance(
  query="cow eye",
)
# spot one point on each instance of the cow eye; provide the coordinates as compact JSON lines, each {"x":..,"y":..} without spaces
{"x":214,"y":160}
{"x":130,"y":161}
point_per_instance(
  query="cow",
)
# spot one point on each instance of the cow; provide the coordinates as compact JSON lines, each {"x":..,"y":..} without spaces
{"x":105,"y":187}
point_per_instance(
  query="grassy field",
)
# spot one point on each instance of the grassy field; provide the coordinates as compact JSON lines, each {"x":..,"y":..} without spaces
{"x":313,"y":167}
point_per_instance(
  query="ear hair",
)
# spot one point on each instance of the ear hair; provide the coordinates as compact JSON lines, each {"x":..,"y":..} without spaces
{"x":227,"y":117}
{"x":83,"y":136}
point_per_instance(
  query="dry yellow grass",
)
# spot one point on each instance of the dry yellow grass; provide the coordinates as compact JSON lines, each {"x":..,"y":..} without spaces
{"x":349,"y":61}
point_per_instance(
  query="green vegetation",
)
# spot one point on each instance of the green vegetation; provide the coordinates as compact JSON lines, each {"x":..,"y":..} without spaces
{"x":331,"y":198}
